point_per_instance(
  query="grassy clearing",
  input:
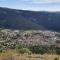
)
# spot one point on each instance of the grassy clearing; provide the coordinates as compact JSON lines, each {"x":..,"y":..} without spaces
{"x":12,"y":55}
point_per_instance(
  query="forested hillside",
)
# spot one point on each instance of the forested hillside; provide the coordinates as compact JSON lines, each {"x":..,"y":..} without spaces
{"x":29,"y":20}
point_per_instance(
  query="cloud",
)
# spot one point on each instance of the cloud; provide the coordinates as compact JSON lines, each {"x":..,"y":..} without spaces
{"x":43,"y":1}
{"x":34,"y":1}
{"x":37,"y":5}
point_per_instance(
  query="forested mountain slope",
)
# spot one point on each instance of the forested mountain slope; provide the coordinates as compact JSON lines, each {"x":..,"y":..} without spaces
{"x":27,"y":20}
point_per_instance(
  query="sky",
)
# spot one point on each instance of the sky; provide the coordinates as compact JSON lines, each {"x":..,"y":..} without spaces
{"x":34,"y":5}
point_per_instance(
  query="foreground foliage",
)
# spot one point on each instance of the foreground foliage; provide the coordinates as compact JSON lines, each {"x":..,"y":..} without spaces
{"x":12,"y":55}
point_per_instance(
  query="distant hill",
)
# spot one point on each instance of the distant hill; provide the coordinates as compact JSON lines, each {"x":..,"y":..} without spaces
{"x":29,"y":20}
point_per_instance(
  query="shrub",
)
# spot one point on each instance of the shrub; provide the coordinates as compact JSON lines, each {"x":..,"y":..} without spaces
{"x":38,"y":49}
{"x":58,"y":50}
{"x":24,"y":50}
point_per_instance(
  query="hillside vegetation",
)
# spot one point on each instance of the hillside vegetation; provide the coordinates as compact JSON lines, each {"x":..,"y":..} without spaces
{"x":29,"y":20}
{"x":29,"y":35}
{"x":30,"y":41}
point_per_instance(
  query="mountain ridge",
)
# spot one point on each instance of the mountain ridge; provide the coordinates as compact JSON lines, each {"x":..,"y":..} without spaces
{"x":29,"y":20}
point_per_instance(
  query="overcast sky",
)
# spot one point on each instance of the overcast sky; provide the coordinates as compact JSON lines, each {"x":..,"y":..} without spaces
{"x":36,"y":5}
